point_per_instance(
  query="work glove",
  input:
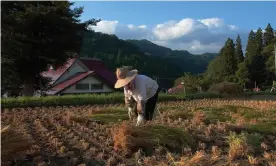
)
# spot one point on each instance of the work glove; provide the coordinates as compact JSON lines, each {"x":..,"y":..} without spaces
{"x":140,"y":120}
{"x":141,"y":105}
{"x":130,"y":113}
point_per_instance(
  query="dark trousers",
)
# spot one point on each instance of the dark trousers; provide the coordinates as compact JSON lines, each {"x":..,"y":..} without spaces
{"x":150,"y":106}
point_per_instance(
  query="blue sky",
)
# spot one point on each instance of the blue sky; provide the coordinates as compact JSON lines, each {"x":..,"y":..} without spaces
{"x":195,"y":26}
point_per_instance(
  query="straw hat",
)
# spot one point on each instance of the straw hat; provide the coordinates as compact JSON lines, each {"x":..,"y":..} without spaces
{"x":124,"y":76}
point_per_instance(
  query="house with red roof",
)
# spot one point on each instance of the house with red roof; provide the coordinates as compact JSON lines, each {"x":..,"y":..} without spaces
{"x":80,"y":75}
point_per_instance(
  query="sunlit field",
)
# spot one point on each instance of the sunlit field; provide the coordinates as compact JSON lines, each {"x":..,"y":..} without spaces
{"x":198,"y":132}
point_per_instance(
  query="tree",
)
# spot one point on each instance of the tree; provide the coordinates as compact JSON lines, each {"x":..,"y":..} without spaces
{"x":213,"y":73}
{"x":223,"y":67}
{"x":191,"y":82}
{"x":254,"y":59}
{"x":268,"y":53}
{"x":251,"y":48}
{"x":259,"y":41}
{"x":36,"y":34}
{"x":268,"y":35}
{"x":238,"y":50}
{"x":228,"y":58}
{"x":242,"y":73}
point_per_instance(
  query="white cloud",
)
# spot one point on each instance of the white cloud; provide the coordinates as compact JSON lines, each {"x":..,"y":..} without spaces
{"x":255,"y":30}
{"x":233,"y":27}
{"x":196,"y":36}
{"x":130,"y":26}
{"x":194,"y":46}
{"x":173,"y":30}
{"x":143,"y":26}
{"x":213,"y":22}
{"x":104,"y":26}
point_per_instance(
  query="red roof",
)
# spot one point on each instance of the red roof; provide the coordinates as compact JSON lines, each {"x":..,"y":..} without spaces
{"x":100,"y":69}
{"x":70,"y":81}
{"x":176,"y":89}
{"x":55,"y":74}
{"x":94,"y":66}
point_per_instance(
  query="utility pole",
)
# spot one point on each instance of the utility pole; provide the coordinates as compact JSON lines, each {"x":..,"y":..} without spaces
{"x":275,"y":57}
{"x":274,"y":81}
{"x":275,"y":51}
{"x":184,"y":90}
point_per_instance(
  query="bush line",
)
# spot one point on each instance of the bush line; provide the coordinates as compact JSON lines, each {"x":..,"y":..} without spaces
{"x":90,"y":99}
{"x":100,"y":99}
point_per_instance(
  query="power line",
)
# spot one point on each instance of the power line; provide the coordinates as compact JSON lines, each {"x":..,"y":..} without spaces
{"x":167,"y":78}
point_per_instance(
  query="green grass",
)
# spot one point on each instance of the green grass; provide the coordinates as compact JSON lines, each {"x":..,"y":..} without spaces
{"x":214,"y":115}
{"x":263,"y":128}
{"x":107,"y":115}
{"x":254,"y":140}
{"x":223,"y":113}
{"x":171,"y":138}
{"x":266,"y":124}
{"x":164,"y":136}
{"x":106,"y":118}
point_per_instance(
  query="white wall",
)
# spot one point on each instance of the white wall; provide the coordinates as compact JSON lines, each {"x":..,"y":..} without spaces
{"x":90,"y":79}
{"x":71,"y":71}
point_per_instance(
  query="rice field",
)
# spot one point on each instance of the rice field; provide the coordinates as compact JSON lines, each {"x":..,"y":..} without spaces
{"x":198,"y":132}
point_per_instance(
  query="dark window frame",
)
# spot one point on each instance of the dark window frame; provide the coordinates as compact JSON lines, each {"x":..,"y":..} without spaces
{"x":96,"y":86}
{"x":82,"y":86}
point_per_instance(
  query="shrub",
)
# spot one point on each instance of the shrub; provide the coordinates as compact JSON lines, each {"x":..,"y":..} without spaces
{"x":227,"y":88}
{"x":66,"y":100}
{"x":260,"y":93}
{"x":90,"y":99}
{"x":237,"y":145}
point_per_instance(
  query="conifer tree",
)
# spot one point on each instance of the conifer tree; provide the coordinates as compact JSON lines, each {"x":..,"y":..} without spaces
{"x":238,"y":50}
{"x":259,"y":41}
{"x":268,"y":35}
{"x":223,"y":68}
{"x":254,"y":60}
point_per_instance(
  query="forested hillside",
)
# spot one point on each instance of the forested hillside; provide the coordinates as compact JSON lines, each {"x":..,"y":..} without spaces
{"x":186,"y":61}
{"x":147,"y":57}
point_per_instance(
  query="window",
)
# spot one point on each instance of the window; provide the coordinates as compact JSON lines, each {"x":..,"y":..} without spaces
{"x":80,"y":86}
{"x":96,"y":86}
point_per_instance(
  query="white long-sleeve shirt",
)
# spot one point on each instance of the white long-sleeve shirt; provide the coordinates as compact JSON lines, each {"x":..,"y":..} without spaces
{"x":145,"y":88}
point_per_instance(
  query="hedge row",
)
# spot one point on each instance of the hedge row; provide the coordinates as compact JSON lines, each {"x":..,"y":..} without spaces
{"x":260,"y":93}
{"x":89,"y":99}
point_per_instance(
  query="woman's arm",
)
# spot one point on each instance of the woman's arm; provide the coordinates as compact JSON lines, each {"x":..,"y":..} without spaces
{"x":127,"y":98}
{"x":142,"y":97}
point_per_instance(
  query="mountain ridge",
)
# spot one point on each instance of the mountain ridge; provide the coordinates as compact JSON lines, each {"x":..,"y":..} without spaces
{"x":141,"y":43}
